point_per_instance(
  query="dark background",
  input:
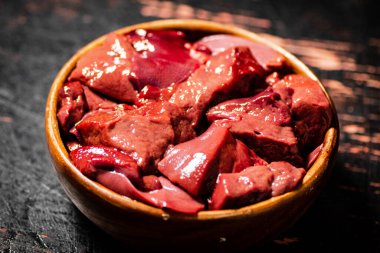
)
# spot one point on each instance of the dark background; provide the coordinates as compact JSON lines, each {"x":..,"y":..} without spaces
{"x":339,"y":40}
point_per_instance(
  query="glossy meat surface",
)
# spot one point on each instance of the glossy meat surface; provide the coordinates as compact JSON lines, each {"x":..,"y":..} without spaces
{"x":213,"y":124}
{"x":310,"y":108}
{"x":232,"y":71}
{"x":262,"y":122}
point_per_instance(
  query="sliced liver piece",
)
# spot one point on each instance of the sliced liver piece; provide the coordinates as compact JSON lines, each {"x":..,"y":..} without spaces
{"x":268,"y":58}
{"x":168,"y":196}
{"x":150,"y":183}
{"x":162,"y":58}
{"x":95,"y":101}
{"x":143,"y":133}
{"x":256,"y":183}
{"x":119,"y":172}
{"x":310,"y":108}
{"x":233,"y":71}
{"x":72,"y":105}
{"x":286,"y":177}
{"x":313,"y":155}
{"x":245,"y":157}
{"x":90,"y":159}
{"x":235,"y":190}
{"x":106,"y":68}
{"x":194,"y":165}
{"x":262,"y":122}
{"x":266,"y":106}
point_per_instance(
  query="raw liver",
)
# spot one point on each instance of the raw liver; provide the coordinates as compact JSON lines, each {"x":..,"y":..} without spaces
{"x":310,"y":109}
{"x":268,"y":58}
{"x":233,"y":71}
{"x":106,"y":68}
{"x":256,"y":183}
{"x":262,"y":122}
{"x":72,"y":105}
{"x":143,"y":133}
{"x":194,"y":165}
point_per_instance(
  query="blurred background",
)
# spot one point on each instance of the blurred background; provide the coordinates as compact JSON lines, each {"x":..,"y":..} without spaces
{"x":338,"y":40}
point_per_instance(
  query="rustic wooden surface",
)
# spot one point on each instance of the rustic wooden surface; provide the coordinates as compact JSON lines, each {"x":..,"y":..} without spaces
{"x":339,"y":40}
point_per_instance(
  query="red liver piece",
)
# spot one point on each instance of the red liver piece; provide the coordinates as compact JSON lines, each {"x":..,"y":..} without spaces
{"x":313,"y":155}
{"x":95,"y":101}
{"x":253,"y":184}
{"x":119,"y":172}
{"x":90,"y":159}
{"x":194,"y":165}
{"x":286,"y":177}
{"x":162,"y":57}
{"x":235,"y":190}
{"x":262,"y":122}
{"x":245,"y":157}
{"x":72,"y":105}
{"x":150,"y":183}
{"x":168,"y":196}
{"x":106,"y":69}
{"x":266,"y":106}
{"x":268,"y":58}
{"x":143,"y":133}
{"x":233,"y":71}
{"x":310,"y":108}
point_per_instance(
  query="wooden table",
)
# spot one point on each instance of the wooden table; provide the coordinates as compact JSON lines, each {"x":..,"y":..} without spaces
{"x":339,"y":40}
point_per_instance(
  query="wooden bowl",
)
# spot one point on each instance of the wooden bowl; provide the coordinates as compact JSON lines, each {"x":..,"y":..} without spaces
{"x":144,"y":226}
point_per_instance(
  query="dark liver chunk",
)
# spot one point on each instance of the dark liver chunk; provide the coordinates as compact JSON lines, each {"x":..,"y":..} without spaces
{"x":194,"y":165}
{"x":268,"y":58}
{"x":233,"y":71}
{"x":106,"y":68}
{"x":143,"y":133}
{"x":119,"y":172}
{"x":262,"y":122}
{"x":168,"y":196}
{"x":245,"y":157}
{"x":162,"y":58}
{"x":286,"y":177}
{"x":235,"y":190}
{"x":72,"y":105}
{"x":310,"y":108}
{"x":95,"y":101}
{"x":253,"y":184}
{"x":90,"y":159}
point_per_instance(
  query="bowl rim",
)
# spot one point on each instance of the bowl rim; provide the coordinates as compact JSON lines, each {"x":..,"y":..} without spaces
{"x":59,"y":153}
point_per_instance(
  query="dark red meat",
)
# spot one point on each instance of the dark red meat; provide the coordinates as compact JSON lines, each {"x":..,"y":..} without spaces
{"x":150,"y":183}
{"x":143,"y":133}
{"x":235,"y":190}
{"x":232,"y":71}
{"x":72,"y":105}
{"x":313,"y":155}
{"x":263,"y":123}
{"x":135,"y":104}
{"x":286,"y":177}
{"x":268,"y":58}
{"x":106,"y":68}
{"x":162,"y":58}
{"x":245,"y":157}
{"x":119,"y":172}
{"x":194,"y":165}
{"x":254,"y":184}
{"x":168,"y":196}
{"x":90,"y":159}
{"x":95,"y":102}
{"x":310,"y":109}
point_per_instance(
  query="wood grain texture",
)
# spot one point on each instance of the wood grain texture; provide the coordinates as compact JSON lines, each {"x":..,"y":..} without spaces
{"x":339,"y":40}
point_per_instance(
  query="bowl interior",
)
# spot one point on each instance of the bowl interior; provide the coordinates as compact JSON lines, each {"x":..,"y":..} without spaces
{"x":319,"y":169}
